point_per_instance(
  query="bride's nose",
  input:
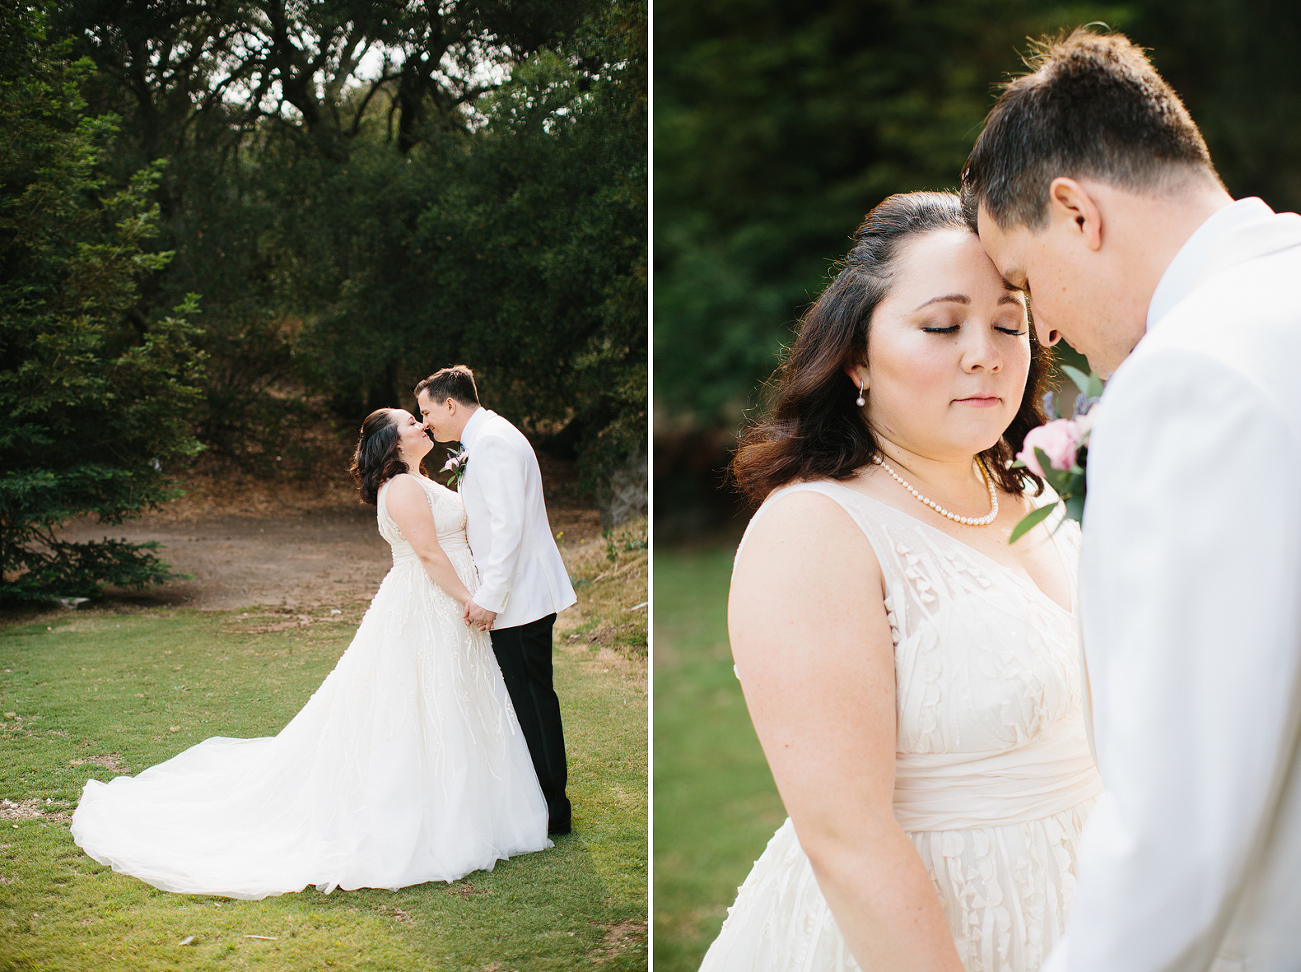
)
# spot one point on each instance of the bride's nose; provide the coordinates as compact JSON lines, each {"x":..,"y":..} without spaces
{"x":981,"y":351}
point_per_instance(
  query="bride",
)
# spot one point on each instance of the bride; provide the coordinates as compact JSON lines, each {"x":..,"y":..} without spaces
{"x":912,"y":677}
{"x":407,"y":765}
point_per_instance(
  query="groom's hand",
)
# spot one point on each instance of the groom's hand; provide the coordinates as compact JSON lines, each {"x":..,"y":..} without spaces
{"x":478,"y":616}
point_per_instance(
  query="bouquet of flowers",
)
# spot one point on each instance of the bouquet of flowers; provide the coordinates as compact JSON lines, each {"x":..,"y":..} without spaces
{"x":456,"y":466}
{"x":1059,"y":451}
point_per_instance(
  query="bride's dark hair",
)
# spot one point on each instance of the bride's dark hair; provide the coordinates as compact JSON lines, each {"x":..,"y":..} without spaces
{"x":812,"y":428}
{"x":376,"y":459}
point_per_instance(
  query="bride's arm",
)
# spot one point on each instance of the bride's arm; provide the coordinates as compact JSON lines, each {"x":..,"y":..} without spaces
{"x":408,"y":504}
{"x":814,"y":655}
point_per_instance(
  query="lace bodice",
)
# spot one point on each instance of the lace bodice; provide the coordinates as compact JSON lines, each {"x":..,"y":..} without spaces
{"x":993,"y":775}
{"x":449,"y":520}
{"x":988,"y":693}
{"x":1009,"y":668}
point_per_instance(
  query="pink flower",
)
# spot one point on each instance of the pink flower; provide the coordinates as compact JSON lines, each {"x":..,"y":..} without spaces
{"x":1060,"y":441}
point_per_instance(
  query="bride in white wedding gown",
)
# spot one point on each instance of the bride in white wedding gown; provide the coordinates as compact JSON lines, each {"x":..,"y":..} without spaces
{"x":407,"y":764}
{"x":914,"y":680}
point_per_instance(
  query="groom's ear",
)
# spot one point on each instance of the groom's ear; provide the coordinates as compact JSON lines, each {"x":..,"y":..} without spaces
{"x":1072,"y":207}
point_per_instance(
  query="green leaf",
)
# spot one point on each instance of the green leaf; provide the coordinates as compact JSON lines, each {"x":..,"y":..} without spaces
{"x":1082,"y":381}
{"x":1095,"y":386}
{"x":1075,"y":507}
{"x":1058,"y":479}
{"x":1030,"y":521}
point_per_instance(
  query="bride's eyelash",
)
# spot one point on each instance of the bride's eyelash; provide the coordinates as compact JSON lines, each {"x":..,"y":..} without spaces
{"x":953,"y":329}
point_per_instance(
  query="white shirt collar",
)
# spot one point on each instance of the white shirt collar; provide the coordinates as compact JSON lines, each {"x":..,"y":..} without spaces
{"x":472,"y":426}
{"x":1188,"y":268}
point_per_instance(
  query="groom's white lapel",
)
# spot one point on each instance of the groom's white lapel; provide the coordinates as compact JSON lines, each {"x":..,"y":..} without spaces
{"x":468,"y":435}
{"x":1245,"y":231}
{"x":1190,"y":574}
{"x":522,"y":576}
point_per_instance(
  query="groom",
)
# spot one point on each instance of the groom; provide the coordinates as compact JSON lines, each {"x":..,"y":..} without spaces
{"x":522,"y":579}
{"x":1092,"y":191}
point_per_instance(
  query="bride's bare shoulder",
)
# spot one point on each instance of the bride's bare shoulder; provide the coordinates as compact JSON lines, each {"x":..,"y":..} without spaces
{"x":802,"y":545}
{"x":404,"y":488}
{"x":794,"y":505}
{"x":808,"y":525}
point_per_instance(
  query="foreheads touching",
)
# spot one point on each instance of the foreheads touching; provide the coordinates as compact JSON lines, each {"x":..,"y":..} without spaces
{"x":918,"y":287}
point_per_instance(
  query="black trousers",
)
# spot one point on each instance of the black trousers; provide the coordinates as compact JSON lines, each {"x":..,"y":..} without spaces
{"x":524,"y":656}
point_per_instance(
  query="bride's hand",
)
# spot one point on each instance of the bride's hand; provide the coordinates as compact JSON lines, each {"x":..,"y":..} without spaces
{"x":474,"y":614}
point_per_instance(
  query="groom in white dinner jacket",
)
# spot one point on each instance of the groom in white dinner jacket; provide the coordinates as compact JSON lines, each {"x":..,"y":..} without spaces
{"x":1092,"y":190}
{"x":523,"y":582}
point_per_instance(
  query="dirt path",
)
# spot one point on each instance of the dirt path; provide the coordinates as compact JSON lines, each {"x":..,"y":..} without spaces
{"x":248,"y":546}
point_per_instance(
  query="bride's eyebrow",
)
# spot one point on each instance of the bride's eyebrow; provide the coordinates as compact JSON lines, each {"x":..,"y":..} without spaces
{"x":947,"y":298}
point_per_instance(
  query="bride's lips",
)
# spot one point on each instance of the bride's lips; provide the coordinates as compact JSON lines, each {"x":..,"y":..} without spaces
{"x":979,"y":401}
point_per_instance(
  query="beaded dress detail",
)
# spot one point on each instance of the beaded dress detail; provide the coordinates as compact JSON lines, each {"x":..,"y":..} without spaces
{"x":993,"y":776}
{"x":407,"y":764}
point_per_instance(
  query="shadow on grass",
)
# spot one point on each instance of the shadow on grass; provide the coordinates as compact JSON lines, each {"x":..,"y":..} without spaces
{"x":93,"y":694}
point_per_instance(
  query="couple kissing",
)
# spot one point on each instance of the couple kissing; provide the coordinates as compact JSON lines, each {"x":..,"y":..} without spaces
{"x":435,"y":746}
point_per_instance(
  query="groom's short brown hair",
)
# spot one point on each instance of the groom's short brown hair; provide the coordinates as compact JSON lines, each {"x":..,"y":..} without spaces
{"x":1093,"y":106}
{"x":454,"y":382}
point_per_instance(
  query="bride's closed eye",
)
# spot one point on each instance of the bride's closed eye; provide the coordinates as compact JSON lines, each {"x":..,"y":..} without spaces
{"x":953,"y":329}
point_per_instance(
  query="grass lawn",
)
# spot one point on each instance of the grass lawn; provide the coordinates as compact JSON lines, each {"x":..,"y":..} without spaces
{"x":715,"y":802}
{"x":114,"y":690}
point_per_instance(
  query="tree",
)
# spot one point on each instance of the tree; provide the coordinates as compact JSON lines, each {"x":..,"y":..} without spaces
{"x":259,"y":108}
{"x":519,"y":249}
{"x":481,"y":197}
{"x":95,"y":397}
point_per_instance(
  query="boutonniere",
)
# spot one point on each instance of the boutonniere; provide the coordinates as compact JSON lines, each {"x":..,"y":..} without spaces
{"x":456,"y":466}
{"x":1059,"y":451}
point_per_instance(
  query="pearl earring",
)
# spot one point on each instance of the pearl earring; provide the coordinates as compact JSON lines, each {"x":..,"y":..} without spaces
{"x":860,"y":401}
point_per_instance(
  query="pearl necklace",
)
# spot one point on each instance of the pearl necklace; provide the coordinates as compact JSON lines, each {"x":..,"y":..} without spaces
{"x":985,"y":520}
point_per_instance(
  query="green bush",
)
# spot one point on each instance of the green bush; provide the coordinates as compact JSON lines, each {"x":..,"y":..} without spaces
{"x":94,"y":396}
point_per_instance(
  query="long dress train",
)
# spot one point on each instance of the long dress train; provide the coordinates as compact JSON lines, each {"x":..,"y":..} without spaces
{"x":993,"y":775}
{"x":406,"y":765}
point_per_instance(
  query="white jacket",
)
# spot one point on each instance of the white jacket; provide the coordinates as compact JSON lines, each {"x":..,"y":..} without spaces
{"x":1190,"y":596}
{"x":521,"y":574}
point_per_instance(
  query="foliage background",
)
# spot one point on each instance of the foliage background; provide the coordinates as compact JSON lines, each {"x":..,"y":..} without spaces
{"x":358,"y":192}
{"x":364,"y":190}
{"x":778,"y":126}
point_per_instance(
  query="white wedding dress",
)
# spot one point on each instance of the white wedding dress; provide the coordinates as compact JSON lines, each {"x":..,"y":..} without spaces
{"x":407,"y":764}
{"x":993,"y":776}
